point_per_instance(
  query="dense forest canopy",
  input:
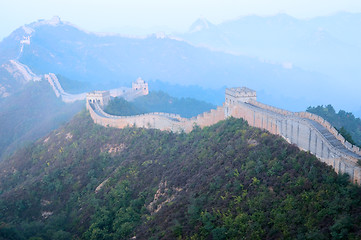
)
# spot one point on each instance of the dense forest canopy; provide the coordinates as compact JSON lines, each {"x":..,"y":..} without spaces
{"x":345,"y":122}
{"x":227,"y":181}
{"x":158,"y":101}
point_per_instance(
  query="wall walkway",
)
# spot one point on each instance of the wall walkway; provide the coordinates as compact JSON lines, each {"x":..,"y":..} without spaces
{"x":162,"y":121}
{"x":308,"y":132}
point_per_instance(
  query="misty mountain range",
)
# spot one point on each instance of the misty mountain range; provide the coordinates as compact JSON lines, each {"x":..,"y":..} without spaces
{"x":104,"y":61}
{"x":290,"y":63}
{"x":329,"y":45}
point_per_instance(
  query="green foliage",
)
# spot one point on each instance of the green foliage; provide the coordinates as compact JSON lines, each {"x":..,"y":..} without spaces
{"x":208,"y":184}
{"x":347,"y":124}
{"x":118,"y":218}
{"x":120,"y":107}
{"x":346,"y":135}
{"x":158,"y":101}
{"x":72,"y":86}
{"x":9,"y":232}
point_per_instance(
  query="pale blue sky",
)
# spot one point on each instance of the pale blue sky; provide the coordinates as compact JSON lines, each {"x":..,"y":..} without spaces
{"x":135,"y":16}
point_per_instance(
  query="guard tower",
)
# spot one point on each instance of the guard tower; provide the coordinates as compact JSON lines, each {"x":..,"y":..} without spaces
{"x":243,"y":94}
{"x":140,"y":85}
{"x":100,"y":97}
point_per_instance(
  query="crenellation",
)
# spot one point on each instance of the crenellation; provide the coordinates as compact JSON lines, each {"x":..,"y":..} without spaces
{"x":348,"y":145}
{"x":243,"y":94}
{"x":331,"y":129}
{"x":356,"y":149}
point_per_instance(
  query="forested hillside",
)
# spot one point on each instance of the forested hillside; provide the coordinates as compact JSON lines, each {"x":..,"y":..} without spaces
{"x":228,"y":181}
{"x":345,"y":122}
{"x":158,"y":101}
{"x":31,"y":113}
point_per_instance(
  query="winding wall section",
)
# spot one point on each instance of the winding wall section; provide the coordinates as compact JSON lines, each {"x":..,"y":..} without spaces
{"x":162,"y":121}
{"x":308,"y":131}
{"x":305,"y":130}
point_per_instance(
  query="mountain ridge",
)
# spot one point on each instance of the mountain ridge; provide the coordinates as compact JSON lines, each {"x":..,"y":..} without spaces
{"x":330,"y":45}
{"x":189,"y":65}
{"x":54,"y":46}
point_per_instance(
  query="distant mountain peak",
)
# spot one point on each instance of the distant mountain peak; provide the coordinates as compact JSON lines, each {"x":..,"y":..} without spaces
{"x":200,"y":24}
{"x":30,"y":28}
{"x":25,"y":34}
{"x":54,"y":21}
{"x":283,"y":18}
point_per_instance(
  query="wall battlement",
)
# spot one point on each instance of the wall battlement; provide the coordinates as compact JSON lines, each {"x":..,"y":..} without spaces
{"x":162,"y":121}
{"x":308,"y":131}
{"x":243,"y":94}
{"x":315,"y":118}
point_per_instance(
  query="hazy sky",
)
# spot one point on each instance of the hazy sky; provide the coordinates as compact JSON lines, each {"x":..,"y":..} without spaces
{"x":131,"y":16}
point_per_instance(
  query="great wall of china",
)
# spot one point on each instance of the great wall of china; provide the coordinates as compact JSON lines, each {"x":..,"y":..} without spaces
{"x":139,"y":88}
{"x":308,"y":131}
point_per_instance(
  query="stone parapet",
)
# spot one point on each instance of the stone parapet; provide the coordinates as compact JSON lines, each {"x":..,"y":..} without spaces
{"x":296,"y":129}
{"x":308,"y":131}
{"x":331,"y":129}
{"x":158,"y":120}
{"x":271,"y":108}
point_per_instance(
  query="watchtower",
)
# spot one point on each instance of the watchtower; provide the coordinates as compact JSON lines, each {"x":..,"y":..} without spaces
{"x":243,"y":94}
{"x":140,"y":85}
{"x":101,"y":97}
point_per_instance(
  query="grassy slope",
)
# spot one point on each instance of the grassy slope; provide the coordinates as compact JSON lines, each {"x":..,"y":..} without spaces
{"x":226,"y":181}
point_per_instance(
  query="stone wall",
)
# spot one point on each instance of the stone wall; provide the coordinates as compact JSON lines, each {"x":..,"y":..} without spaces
{"x":207,"y":119}
{"x":296,"y":128}
{"x":331,"y":129}
{"x":273,"y":109}
{"x":315,"y":118}
{"x":59,"y":91}
{"x":161,"y":121}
